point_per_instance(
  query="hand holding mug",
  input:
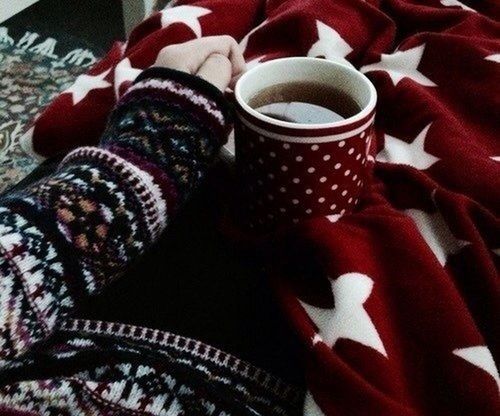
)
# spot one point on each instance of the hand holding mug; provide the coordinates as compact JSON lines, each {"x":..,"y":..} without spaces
{"x":217,"y":59}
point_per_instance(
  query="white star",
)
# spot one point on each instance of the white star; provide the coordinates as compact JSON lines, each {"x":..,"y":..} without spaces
{"x":188,"y":15}
{"x":412,"y":154}
{"x":348,"y":319}
{"x":330,"y":45}
{"x":86,"y":83}
{"x":311,"y":408}
{"x":244,"y":41}
{"x":452,"y":3}
{"x":26,"y":143}
{"x":402,"y":64}
{"x":494,"y":58}
{"x":481,"y":357}
{"x":123,"y":73}
{"x":316,"y":339}
{"x":436,"y":234}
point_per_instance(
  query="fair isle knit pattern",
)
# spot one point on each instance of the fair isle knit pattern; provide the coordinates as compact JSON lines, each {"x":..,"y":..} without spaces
{"x":113,"y":369}
{"x":68,"y":235}
{"x":30,"y":283}
{"x":149,"y":195}
{"x":178,"y":129}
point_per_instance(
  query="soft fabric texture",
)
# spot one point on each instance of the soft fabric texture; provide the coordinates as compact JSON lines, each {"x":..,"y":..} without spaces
{"x":65,"y":237}
{"x":397,"y":304}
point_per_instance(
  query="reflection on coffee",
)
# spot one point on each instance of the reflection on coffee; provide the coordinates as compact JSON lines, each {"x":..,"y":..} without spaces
{"x":304,"y":102}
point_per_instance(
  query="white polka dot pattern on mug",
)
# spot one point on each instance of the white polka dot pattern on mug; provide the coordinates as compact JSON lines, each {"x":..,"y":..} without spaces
{"x":297,"y":180}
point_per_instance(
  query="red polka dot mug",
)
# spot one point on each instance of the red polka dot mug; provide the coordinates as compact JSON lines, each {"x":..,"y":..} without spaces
{"x":293,"y":171}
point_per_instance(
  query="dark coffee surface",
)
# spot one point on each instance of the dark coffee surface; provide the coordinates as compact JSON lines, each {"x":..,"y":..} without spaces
{"x":304,"y":102}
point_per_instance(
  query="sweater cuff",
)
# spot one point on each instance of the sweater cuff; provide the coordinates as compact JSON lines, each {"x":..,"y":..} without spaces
{"x":191,"y":93}
{"x":201,"y":85}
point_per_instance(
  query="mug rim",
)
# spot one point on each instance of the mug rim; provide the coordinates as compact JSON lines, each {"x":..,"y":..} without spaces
{"x":365,"y":111}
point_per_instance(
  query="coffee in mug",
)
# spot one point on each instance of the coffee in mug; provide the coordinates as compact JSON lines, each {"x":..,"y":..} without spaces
{"x":304,"y":102}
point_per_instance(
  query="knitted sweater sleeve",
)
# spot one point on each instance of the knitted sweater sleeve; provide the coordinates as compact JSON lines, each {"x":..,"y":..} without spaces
{"x":68,"y":235}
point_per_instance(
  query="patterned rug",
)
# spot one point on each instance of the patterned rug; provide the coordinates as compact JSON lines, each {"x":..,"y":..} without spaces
{"x":160,"y":4}
{"x":34,"y":69}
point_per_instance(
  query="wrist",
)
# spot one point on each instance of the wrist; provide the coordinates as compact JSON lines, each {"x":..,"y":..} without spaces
{"x":202,"y":86}
{"x":198,"y":99}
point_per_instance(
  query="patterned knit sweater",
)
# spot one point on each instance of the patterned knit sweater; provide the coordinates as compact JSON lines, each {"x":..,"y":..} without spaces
{"x":67,"y":236}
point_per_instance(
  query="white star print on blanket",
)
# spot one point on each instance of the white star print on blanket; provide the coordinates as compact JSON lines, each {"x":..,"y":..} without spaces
{"x":436,"y":234}
{"x":330,"y":45}
{"x":86,"y":83}
{"x":481,"y":357}
{"x":402,"y":64}
{"x":124,"y":72}
{"x":349,"y":319}
{"x":189,"y":15}
{"x":412,"y":154}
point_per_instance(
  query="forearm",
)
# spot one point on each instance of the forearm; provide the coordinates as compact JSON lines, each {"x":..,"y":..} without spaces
{"x":68,"y":235}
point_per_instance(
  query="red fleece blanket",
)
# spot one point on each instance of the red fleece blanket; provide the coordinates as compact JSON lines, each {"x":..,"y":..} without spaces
{"x":398,"y":304}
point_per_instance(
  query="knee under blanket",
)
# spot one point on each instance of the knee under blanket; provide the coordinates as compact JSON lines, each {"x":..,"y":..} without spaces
{"x":397,"y":304}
